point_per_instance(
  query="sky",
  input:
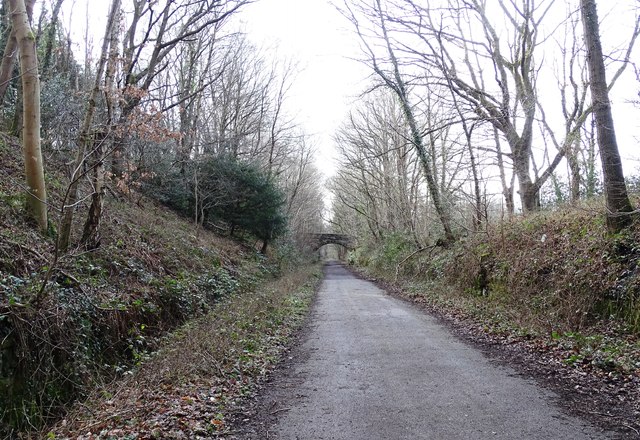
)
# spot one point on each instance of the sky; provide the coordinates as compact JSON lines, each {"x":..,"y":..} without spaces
{"x":314,"y":34}
{"x":320,"y":41}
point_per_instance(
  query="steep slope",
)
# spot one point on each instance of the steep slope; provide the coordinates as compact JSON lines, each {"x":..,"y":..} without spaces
{"x":71,"y":321}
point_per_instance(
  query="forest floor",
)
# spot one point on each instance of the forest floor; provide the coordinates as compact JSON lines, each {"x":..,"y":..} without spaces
{"x":203,"y":373}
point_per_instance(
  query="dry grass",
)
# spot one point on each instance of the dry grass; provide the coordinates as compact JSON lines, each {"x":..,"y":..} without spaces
{"x":102,"y":310}
{"x":188,"y":388}
{"x":560,"y":271}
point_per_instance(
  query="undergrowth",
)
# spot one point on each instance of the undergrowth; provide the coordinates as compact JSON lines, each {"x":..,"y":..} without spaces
{"x":204,"y":369}
{"x":70,"y":324}
{"x":559,"y":276}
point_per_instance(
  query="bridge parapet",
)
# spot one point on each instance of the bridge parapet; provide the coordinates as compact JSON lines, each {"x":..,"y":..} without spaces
{"x":320,"y":240}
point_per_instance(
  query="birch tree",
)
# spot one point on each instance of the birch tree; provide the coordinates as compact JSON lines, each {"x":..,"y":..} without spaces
{"x":34,"y":167}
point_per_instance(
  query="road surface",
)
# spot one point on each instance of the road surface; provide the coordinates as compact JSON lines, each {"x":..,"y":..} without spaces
{"x":374,"y":367}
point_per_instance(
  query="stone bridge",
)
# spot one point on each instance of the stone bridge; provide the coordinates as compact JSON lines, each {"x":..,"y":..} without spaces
{"x":319,"y":240}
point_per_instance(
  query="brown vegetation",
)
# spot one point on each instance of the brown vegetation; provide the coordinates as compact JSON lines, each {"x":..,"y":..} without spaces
{"x":69,"y":323}
{"x":200,"y":376}
{"x":559,"y":277}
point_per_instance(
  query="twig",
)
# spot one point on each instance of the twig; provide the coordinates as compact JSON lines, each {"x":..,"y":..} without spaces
{"x":626,"y":425}
{"x":411,"y":255}
{"x":86,"y":407}
{"x":32,"y":251}
{"x":279,"y":410}
{"x":70,"y":277}
{"x":110,"y":417}
{"x":595,"y":413}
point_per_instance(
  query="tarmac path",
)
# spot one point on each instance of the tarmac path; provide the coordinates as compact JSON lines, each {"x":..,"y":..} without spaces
{"x":374,"y":367}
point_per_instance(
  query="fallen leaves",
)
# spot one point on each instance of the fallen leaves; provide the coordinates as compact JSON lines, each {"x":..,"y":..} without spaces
{"x":205,"y":373}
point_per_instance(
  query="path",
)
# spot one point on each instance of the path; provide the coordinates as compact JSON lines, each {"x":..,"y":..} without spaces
{"x":373,"y":367}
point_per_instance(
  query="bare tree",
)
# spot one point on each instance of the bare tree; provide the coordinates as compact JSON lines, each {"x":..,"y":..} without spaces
{"x":99,"y":140}
{"x":85,"y":137}
{"x":618,"y":204}
{"x":393,"y":79}
{"x":380,"y":175}
{"x":490,"y":56}
{"x":155,"y":31}
{"x":34,"y":167}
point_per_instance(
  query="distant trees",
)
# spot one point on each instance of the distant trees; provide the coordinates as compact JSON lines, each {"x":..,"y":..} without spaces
{"x":177,"y":98}
{"x":238,"y":116}
{"x":394,"y":80}
{"x":511,"y":78}
{"x":380,"y":174}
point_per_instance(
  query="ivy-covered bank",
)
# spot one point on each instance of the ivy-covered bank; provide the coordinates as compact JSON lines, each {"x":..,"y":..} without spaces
{"x":203,"y":372}
{"x":104,"y":311}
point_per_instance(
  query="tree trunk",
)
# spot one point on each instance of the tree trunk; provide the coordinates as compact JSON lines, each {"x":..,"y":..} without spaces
{"x":507,"y":189}
{"x":615,"y":189}
{"x":84,"y":137}
{"x":118,"y":159}
{"x":51,"y":36}
{"x":9,"y":55}
{"x":8,"y":62}
{"x":91,"y":232}
{"x":589,"y":160}
{"x":34,"y":168}
{"x":529,"y":195}
{"x":574,"y":169}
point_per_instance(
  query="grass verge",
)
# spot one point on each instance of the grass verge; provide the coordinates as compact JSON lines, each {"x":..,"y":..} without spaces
{"x":597,"y":371}
{"x":204,"y":370}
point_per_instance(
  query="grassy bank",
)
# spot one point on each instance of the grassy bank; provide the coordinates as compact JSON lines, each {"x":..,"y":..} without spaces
{"x":204,"y":369}
{"x":559,"y":278}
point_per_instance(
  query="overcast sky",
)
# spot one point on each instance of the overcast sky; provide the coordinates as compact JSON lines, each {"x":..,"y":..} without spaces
{"x":313,"y":33}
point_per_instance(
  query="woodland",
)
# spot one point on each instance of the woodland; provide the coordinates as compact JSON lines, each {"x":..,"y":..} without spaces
{"x":159,"y":201}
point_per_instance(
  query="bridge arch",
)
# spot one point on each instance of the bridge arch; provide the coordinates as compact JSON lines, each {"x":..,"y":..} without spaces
{"x":319,"y":240}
